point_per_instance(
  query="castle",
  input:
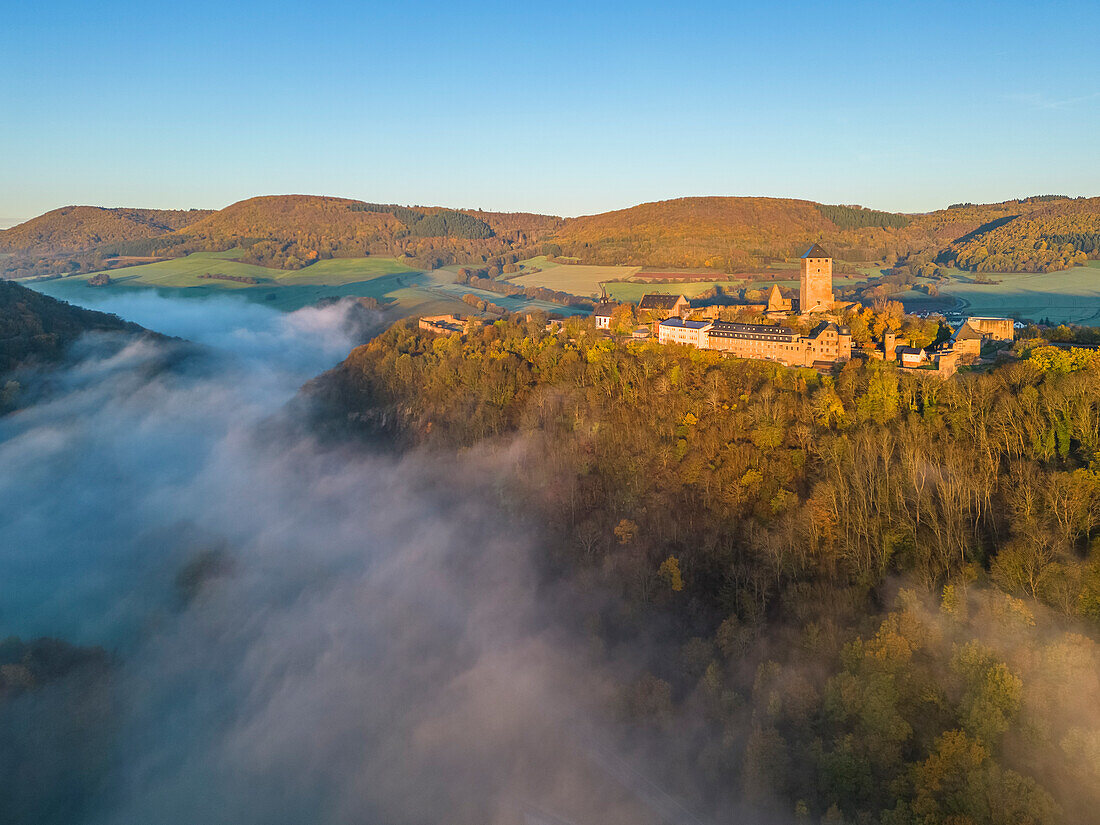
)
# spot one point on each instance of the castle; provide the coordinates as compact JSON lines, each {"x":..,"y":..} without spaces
{"x":827,"y":344}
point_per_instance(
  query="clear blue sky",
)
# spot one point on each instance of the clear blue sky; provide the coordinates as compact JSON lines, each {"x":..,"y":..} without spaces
{"x":561,"y":107}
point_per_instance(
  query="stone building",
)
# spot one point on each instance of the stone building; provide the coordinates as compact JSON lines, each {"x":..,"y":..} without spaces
{"x":442,"y":324}
{"x":993,"y":329}
{"x":662,"y":305}
{"x":967,"y":341}
{"x":827,"y":344}
{"x":777,"y":304}
{"x":911,"y":356}
{"x":815,"y":286}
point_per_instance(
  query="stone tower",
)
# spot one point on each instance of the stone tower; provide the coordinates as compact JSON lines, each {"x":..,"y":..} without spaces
{"x":816,"y":285}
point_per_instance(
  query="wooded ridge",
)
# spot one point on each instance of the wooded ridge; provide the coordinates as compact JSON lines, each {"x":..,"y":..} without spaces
{"x":723,"y":234}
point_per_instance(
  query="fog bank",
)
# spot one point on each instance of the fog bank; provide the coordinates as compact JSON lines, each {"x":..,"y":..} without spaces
{"x":302,"y":633}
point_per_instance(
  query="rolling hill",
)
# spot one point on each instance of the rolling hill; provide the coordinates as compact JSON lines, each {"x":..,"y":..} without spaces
{"x":280,"y":231}
{"x":1056,"y":236}
{"x":74,"y":229}
{"x":729,"y":234}
{"x":742,"y":233}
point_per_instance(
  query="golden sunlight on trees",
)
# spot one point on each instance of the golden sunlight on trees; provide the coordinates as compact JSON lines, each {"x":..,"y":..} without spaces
{"x":669,"y":571}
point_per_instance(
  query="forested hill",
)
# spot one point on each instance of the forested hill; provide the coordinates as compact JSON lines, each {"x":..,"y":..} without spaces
{"x":1032,"y":234}
{"x":727,"y":234}
{"x":80,"y":228}
{"x":36,"y":328}
{"x":754,"y":522}
{"x":1059,"y":234}
{"x":282,"y":231}
{"x":291,"y":231}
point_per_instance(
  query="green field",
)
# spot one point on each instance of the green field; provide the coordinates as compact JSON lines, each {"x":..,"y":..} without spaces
{"x":1071,"y":296}
{"x":689,"y":289}
{"x":405,"y":291}
{"x":185,"y":272}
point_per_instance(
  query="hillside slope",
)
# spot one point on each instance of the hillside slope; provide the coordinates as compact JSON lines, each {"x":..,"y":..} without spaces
{"x":291,"y":231}
{"x":691,"y":232}
{"x":729,"y":234}
{"x":80,"y":228}
{"x":37,"y":328}
{"x":736,"y":233}
{"x":1056,"y":236}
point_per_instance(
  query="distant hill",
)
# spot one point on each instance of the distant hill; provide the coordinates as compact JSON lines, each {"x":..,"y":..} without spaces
{"x":282,"y":231}
{"x":1054,"y":236}
{"x":741,"y":233}
{"x":81,"y":228}
{"x":691,"y":232}
{"x":291,"y":231}
{"x":728,"y":234}
{"x":35,"y":328}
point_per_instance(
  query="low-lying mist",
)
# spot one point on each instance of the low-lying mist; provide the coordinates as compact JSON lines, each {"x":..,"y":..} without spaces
{"x":298,"y":632}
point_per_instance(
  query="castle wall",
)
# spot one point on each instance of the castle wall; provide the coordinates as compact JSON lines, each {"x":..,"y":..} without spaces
{"x":999,"y":329}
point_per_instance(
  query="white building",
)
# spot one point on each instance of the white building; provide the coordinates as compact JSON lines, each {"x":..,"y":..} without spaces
{"x":603,"y":314}
{"x":911,"y":357}
{"x":677,"y":331}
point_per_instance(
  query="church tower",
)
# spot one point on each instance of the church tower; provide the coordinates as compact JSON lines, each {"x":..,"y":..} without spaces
{"x":816,"y":285}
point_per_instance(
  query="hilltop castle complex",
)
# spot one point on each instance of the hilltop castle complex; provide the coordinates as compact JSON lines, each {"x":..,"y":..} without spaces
{"x":827,"y":344}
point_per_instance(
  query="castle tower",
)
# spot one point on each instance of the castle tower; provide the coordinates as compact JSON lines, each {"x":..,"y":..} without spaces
{"x":815,"y":292}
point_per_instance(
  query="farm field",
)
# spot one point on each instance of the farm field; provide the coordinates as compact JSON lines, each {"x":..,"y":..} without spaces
{"x":405,"y":291}
{"x":689,"y":289}
{"x":577,"y":279}
{"x":1071,"y":296}
{"x":185,"y":272}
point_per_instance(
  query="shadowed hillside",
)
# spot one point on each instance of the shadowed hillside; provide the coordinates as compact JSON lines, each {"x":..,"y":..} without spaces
{"x":34,"y":327}
{"x":1062,"y":234}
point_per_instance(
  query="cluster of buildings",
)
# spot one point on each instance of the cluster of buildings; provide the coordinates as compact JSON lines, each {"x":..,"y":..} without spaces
{"x":827,"y":344}
{"x":673,"y":321}
{"x":964,"y":345}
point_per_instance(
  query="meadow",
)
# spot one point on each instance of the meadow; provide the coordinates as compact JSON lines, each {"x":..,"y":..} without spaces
{"x":403,"y":290}
{"x":1069,"y":296}
{"x":577,"y":279}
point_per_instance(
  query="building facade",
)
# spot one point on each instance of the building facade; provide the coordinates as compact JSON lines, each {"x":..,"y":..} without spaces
{"x":602,"y":314}
{"x":995,"y":329}
{"x":677,"y":331}
{"x":827,"y":344}
{"x":442,"y":324}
